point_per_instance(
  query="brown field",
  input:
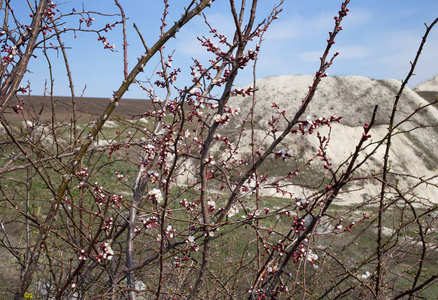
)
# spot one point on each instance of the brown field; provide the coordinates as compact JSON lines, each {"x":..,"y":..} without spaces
{"x":86,"y":108}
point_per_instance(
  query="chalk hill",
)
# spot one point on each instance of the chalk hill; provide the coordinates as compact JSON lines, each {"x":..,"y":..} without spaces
{"x":430,"y":85}
{"x":353,"y":98}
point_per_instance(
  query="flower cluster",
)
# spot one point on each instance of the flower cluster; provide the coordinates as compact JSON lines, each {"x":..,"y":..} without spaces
{"x":186,"y":133}
{"x":283,"y":154}
{"x":100,"y":195}
{"x":148,"y":223}
{"x":106,"y":44}
{"x":17,"y":108}
{"x":88,"y":21}
{"x":113,"y":148}
{"x":233,"y":111}
{"x":197,"y":70}
{"x":191,"y":206}
{"x":155,"y":195}
{"x":212,"y":47}
{"x":153,"y":176}
{"x":149,"y":149}
{"x":169,"y":231}
{"x":302,"y":204}
{"x":106,"y":252}
{"x":243,"y":92}
{"x":222,"y":38}
{"x":210,"y":160}
{"x":250,"y":55}
{"x":211,"y":205}
{"x":109,"y":26}
{"x":339,"y":224}
{"x":108,"y":224}
{"x":165,"y":13}
{"x":178,"y":260}
{"x":298,"y":225}
{"x":169,"y":78}
{"x":366,"y":136}
{"x":254,"y":214}
{"x":82,"y":255}
{"x":83,"y":173}
{"x":50,"y":13}
{"x":312,"y":257}
{"x":223,"y":119}
{"x":343,"y":12}
{"x":11,"y":52}
{"x":191,"y":241}
{"x":119,"y":176}
{"x":309,"y":126}
{"x":277,"y":247}
{"x":272,"y":270}
{"x":273,"y":125}
{"x":298,"y":254}
{"x":116,"y":200}
{"x":82,"y":185}
{"x":233,"y":211}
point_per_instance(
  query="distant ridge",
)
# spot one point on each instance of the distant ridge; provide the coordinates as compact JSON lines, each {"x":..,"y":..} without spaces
{"x":430,"y":85}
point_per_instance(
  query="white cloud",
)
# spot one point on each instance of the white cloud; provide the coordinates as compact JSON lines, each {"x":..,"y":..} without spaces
{"x":299,"y":26}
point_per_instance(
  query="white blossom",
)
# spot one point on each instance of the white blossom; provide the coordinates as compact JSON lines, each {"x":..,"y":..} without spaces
{"x":156,"y":194}
{"x":233,"y":211}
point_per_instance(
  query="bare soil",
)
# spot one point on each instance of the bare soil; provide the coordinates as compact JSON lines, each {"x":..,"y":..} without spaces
{"x":86,"y":107}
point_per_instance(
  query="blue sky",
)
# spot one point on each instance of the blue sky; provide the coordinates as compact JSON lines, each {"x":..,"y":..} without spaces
{"x":379,"y":40}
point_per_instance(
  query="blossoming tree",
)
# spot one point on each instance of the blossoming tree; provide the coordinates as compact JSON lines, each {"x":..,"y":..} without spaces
{"x":164,"y":206}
